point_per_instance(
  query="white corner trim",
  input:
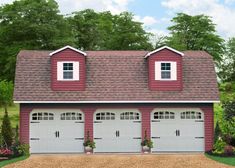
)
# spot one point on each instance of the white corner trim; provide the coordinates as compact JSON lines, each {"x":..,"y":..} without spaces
{"x":209,"y":101}
{"x":72,"y":48}
{"x":164,"y":47}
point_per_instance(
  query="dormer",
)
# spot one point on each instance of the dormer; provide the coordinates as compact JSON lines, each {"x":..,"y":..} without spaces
{"x":68,"y":69}
{"x":165,"y":69}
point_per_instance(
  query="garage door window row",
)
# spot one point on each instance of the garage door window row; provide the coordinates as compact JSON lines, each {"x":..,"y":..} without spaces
{"x":191,"y":115}
{"x":164,"y":115}
{"x":105,"y":116}
{"x":42,"y":116}
{"x":130,"y":116}
{"x":71,"y":116}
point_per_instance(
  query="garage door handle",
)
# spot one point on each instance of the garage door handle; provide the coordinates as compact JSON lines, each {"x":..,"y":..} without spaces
{"x":155,"y":120}
{"x":199,"y":120}
{"x":155,"y":137}
{"x":79,"y":138}
{"x":33,"y":139}
{"x":79,"y":121}
{"x":34,"y":122}
{"x":97,"y":121}
{"x":97,"y":138}
{"x":136,"y":121}
{"x":199,"y":137}
{"x":137,"y":138}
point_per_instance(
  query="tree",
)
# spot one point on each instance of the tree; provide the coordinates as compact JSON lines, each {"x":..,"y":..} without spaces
{"x":6,"y":131}
{"x":195,"y":33}
{"x":104,"y":31}
{"x":29,"y":24}
{"x":227,"y":65}
{"x":6,"y":94}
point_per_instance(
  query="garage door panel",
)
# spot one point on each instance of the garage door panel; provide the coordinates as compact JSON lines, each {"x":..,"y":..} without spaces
{"x":183,"y":132}
{"x":58,"y":131}
{"x":117,"y":134}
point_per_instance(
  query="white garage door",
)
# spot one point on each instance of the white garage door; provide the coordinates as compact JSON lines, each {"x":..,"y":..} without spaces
{"x":177,"y":130}
{"x":56,"y":131}
{"x":117,"y":130}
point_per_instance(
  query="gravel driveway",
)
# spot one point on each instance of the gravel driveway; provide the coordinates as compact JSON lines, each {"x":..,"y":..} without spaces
{"x":118,"y":161}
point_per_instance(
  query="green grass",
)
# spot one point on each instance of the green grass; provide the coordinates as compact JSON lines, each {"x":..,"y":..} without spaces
{"x":6,"y":162}
{"x":225,"y":160}
{"x":13,"y":113}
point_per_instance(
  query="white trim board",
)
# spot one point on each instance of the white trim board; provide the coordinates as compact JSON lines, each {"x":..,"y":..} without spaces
{"x":164,"y":47}
{"x":72,"y":48}
{"x":209,"y":101}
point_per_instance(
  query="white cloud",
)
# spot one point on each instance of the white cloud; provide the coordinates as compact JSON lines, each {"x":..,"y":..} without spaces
{"x":115,"y":6}
{"x":147,"y":20}
{"x":222,"y":15}
{"x":68,"y":6}
{"x":229,"y":1}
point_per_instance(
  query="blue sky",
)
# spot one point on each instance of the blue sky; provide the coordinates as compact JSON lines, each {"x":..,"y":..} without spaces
{"x":156,"y":14}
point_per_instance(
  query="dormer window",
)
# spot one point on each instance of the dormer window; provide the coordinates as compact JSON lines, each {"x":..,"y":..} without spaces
{"x":165,"y":70}
{"x":68,"y":71}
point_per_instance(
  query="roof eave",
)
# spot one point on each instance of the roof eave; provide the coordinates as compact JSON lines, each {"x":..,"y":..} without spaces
{"x":164,"y":47}
{"x":68,"y":47}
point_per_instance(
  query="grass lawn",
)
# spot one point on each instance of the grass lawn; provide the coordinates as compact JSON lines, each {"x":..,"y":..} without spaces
{"x":13,"y":113}
{"x":225,"y":160}
{"x":6,"y":162}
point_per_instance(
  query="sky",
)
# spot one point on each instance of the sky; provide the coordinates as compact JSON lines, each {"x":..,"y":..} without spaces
{"x":156,"y":14}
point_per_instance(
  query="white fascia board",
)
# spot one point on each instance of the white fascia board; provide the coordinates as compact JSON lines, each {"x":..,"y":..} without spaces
{"x":209,"y":101}
{"x":66,"y":47}
{"x":164,"y":47}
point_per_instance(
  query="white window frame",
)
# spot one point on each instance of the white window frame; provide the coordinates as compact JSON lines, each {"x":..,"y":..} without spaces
{"x":60,"y":71}
{"x":158,"y":71}
{"x":68,"y":70}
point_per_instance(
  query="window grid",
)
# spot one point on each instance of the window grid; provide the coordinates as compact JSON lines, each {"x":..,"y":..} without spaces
{"x":71,"y":116}
{"x":130,"y":116}
{"x":42,"y":116}
{"x":191,"y":115}
{"x":164,"y":115}
{"x":166,"y":70}
{"x":105,"y":116}
{"x":67,"y":70}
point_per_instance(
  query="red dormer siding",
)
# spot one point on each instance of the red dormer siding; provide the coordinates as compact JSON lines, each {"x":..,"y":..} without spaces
{"x":165,"y":85}
{"x":68,"y":55}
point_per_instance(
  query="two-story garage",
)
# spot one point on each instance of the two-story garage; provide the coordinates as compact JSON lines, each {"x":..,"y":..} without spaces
{"x":116,"y":96}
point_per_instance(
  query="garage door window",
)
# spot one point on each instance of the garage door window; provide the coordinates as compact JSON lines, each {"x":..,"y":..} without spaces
{"x":164,"y":115}
{"x":130,"y":116}
{"x":71,"y":116}
{"x":191,"y":115}
{"x":105,"y":116}
{"x":42,"y":116}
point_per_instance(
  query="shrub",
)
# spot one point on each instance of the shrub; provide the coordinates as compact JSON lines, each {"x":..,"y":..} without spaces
{"x":23,"y":149}
{"x":7,"y":133}
{"x":228,"y":87}
{"x":218,"y":147}
{"x":89,"y":142}
{"x":228,"y":150}
{"x":217,"y":132}
{"x":5,"y":152}
{"x":146,"y":142}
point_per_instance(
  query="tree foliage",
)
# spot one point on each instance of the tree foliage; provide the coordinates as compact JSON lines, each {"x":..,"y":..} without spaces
{"x":29,"y":24}
{"x":195,"y":33}
{"x":104,"y":31}
{"x":6,"y":94}
{"x":227,"y":65}
{"x":6,"y":131}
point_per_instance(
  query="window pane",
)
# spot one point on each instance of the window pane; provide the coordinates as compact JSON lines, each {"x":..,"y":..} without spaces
{"x":165,"y":74}
{"x":67,"y":66}
{"x":68,"y":74}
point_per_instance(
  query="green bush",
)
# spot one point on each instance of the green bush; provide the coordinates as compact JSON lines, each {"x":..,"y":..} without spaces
{"x":7,"y":132}
{"x":218,"y":147}
{"x":23,"y":149}
{"x":217,"y":132}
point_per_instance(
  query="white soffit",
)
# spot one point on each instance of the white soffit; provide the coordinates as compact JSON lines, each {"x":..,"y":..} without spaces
{"x":68,"y":47}
{"x":164,"y":47}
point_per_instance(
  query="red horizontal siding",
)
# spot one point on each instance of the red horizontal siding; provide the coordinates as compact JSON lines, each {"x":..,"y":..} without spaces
{"x":165,"y":55}
{"x":145,"y":110}
{"x":68,"y":55}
